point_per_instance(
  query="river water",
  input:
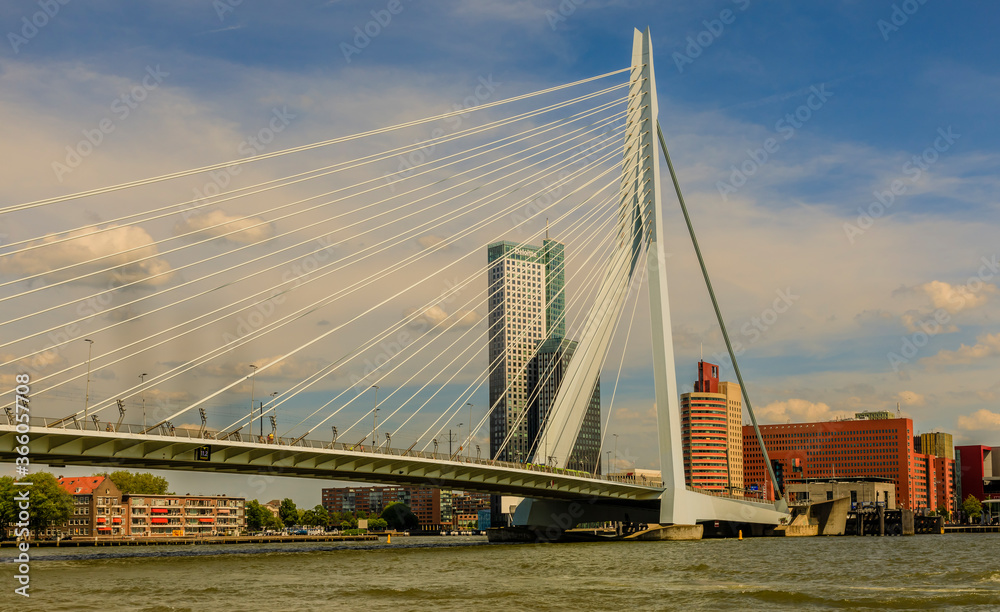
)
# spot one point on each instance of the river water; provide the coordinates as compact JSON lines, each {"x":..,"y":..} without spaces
{"x":929,"y":572}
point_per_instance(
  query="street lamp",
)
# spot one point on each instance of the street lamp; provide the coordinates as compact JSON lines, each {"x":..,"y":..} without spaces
{"x":616,"y":447}
{"x":607,"y":467}
{"x":86,"y":401}
{"x":142,"y":392}
{"x":273,"y":410}
{"x":459,"y":427}
{"x":252,"y":376}
{"x":375,"y":426}
{"x":469,"y":404}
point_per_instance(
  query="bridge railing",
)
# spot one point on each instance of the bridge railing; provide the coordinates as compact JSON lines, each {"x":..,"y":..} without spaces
{"x":194,"y":433}
{"x":742,"y":498}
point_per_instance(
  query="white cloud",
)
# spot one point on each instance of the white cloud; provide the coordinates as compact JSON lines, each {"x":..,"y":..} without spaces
{"x":218,"y":223}
{"x":956,"y":298}
{"x":987,"y":345}
{"x":438,"y":317}
{"x":981,"y":420}
{"x":799,"y":411}
{"x":126,"y":252}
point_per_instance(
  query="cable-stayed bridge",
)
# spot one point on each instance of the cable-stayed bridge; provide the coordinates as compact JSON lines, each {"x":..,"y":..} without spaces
{"x":355,"y":266}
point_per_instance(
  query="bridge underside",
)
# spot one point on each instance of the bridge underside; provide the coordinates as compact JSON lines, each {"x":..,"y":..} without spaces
{"x":109,"y":450}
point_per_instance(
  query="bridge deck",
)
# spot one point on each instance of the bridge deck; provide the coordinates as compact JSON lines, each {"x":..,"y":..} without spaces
{"x":179,"y":450}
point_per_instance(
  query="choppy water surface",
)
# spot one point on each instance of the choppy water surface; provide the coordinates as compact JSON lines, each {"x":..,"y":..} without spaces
{"x":943,"y":572}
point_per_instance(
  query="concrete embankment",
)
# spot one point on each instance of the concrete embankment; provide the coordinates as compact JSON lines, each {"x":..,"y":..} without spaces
{"x":172,"y":541}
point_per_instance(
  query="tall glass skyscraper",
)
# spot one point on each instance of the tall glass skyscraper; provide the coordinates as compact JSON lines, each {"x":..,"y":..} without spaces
{"x":527,"y":302}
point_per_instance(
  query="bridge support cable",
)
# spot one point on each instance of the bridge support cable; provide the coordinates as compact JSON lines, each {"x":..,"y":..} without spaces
{"x":621,"y":364}
{"x":569,"y":231}
{"x":297,"y":281}
{"x":316,"y":145}
{"x":589,"y":287}
{"x":402,"y":292}
{"x":618,"y":236}
{"x":316,"y":173}
{"x":434,"y":166}
{"x":314,"y":378}
{"x":588,"y":282}
{"x":473,"y":277}
{"x":382,"y":274}
{"x":601,"y":123}
{"x":715,"y":302}
{"x":474,"y":345}
{"x":450,"y":215}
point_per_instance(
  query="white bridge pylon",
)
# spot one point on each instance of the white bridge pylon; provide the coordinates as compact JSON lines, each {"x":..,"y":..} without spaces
{"x":640,"y":225}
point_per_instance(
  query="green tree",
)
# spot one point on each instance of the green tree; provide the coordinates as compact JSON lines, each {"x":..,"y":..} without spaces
{"x":317,"y":517}
{"x":377,"y":524}
{"x":288,"y":513}
{"x":8,"y":507}
{"x":972,"y":507}
{"x":257,"y":516}
{"x":398,"y":516}
{"x":141,"y":483}
{"x":50,"y":503}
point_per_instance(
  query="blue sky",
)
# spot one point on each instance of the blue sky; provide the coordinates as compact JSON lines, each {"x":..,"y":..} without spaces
{"x":722,"y":97}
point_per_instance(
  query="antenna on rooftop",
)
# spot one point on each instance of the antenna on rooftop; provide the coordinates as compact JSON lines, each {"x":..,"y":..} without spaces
{"x":898,"y":414}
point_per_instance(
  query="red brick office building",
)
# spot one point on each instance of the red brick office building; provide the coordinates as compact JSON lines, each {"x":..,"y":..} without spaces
{"x":861,"y":447}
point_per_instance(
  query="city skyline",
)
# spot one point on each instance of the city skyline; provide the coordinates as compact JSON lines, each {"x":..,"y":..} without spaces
{"x":837,"y":311}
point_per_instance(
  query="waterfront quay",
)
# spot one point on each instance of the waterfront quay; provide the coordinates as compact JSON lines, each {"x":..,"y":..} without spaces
{"x":210,"y":540}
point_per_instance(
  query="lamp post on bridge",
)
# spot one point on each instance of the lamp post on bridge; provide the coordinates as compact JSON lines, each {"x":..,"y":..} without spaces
{"x":86,"y":399}
{"x":459,"y":427}
{"x":142,"y":392}
{"x":616,"y":447}
{"x":607,"y":467}
{"x":275,"y":410}
{"x":375,"y":426}
{"x":469,"y":449}
{"x":253,"y":372}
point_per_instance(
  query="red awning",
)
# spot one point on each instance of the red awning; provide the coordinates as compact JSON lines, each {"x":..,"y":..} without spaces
{"x":159,"y":510}
{"x":159,"y":521}
{"x":116,"y":519}
{"x":104,"y":529}
{"x":206,"y":520}
{"x":101,"y":519}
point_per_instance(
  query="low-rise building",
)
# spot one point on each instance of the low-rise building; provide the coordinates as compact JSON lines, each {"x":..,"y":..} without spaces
{"x":97,"y":508}
{"x":862,"y":491}
{"x":185,"y":515}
